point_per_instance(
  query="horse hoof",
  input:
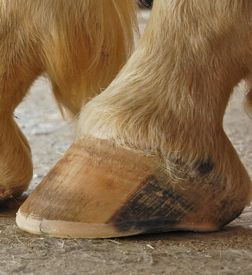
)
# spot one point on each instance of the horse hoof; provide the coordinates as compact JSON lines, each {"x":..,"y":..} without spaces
{"x":98,"y":190}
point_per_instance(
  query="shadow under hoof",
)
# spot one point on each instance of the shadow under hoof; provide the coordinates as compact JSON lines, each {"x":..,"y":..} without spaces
{"x":9,"y":207}
{"x":224,"y":235}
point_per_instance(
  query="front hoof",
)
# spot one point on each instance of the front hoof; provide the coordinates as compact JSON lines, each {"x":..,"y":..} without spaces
{"x":98,"y":190}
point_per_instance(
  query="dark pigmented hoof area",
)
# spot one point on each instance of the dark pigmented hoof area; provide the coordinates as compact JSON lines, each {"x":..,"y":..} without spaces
{"x":205,"y":167}
{"x":146,"y":3}
{"x":228,"y":216}
{"x":154,"y":207}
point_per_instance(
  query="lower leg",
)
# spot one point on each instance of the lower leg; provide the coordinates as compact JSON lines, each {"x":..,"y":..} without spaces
{"x":15,"y":159}
{"x":173,"y":107}
{"x":19,"y":67}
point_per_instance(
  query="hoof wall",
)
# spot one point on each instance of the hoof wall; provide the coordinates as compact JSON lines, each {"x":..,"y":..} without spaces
{"x":98,"y":190}
{"x":64,"y":229}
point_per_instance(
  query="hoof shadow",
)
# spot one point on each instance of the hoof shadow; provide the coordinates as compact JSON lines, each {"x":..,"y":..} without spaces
{"x":9,"y":207}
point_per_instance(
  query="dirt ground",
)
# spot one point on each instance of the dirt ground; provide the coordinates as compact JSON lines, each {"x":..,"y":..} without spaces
{"x":225,"y":252}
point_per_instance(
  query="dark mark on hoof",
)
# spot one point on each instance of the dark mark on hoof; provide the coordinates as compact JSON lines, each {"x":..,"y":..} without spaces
{"x":228,"y":214}
{"x":205,"y":167}
{"x":154,"y":207}
{"x":146,"y":3}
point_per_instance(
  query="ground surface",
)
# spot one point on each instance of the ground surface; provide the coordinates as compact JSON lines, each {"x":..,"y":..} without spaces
{"x":226,"y":252}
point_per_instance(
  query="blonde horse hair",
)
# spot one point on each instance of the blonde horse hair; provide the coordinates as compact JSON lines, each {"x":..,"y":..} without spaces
{"x":79,"y":44}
